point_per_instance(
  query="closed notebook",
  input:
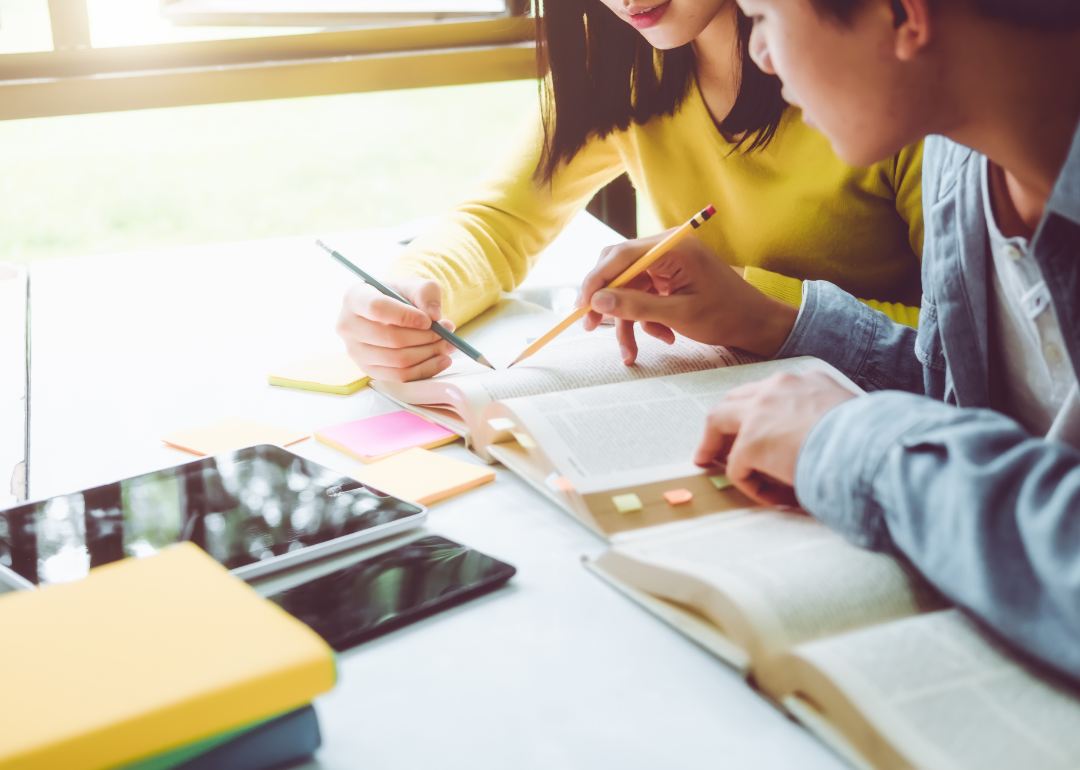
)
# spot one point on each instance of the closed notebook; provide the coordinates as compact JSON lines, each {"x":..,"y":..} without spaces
{"x":375,"y":438}
{"x":324,"y":372}
{"x":146,"y":656}
{"x":264,"y":745}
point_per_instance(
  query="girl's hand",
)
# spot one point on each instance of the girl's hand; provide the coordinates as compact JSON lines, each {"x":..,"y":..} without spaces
{"x":390,"y":340}
{"x":689,"y":290}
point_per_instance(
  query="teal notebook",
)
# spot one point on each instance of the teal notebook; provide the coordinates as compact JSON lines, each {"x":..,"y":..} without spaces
{"x":260,"y":746}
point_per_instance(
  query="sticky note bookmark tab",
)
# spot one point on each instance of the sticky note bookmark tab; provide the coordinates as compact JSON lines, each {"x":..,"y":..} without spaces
{"x":229,"y":434}
{"x":524,"y":439}
{"x":720,"y":482}
{"x":678,"y":496}
{"x":325,"y":372}
{"x":375,"y":438}
{"x":422,"y":476}
{"x":627,"y":503}
{"x":501,"y":423}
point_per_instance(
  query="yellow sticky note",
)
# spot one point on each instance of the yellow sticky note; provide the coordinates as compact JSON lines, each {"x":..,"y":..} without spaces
{"x":229,"y":434}
{"x":720,"y":482}
{"x":501,"y":423}
{"x":324,"y":372}
{"x":524,"y":439}
{"x":422,"y":476}
{"x":627,"y":503}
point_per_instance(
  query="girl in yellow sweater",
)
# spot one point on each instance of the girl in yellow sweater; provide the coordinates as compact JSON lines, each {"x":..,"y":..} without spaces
{"x":669,"y":94}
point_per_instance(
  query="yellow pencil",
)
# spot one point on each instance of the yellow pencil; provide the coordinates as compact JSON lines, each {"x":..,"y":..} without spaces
{"x":625,"y":277}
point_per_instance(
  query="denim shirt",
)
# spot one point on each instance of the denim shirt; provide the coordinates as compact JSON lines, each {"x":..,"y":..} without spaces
{"x":987,"y":512}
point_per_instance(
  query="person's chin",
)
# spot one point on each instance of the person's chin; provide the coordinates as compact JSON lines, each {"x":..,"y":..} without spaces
{"x":860,"y":153}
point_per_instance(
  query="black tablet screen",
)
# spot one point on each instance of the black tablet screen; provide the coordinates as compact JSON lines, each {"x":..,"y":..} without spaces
{"x":392,"y":589}
{"x":240,"y":507}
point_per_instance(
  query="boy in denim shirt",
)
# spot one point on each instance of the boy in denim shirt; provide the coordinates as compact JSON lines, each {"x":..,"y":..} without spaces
{"x":973,"y":473}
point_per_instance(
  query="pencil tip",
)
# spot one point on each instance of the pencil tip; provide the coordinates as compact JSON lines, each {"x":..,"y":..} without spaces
{"x":485,"y":362}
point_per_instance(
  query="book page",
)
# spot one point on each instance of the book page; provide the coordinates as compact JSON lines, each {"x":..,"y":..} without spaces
{"x":586,"y":359}
{"x":576,"y":360}
{"x":625,"y":434}
{"x":789,"y":578}
{"x":945,"y":696}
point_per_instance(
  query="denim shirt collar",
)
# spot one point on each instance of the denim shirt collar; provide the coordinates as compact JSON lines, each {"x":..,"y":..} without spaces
{"x":1065,"y":198}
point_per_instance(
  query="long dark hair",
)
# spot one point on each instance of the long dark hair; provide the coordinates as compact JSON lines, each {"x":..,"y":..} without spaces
{"x":602,"y":74}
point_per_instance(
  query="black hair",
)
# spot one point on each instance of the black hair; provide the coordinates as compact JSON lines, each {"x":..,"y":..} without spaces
{"x":1062,"y":15}
{"x":598,"y":74}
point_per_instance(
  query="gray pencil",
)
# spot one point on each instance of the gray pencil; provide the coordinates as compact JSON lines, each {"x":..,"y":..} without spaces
{"x":436,"y":327}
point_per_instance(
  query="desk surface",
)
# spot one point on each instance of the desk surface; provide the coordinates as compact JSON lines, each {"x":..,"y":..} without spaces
{"x":556,"y":671}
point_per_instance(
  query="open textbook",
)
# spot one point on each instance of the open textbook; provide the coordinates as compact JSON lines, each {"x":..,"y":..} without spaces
{"x":853,"y":644}
{"x":587,"y":431}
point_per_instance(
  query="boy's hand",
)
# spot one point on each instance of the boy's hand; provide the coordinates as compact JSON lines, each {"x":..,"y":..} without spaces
{"x":758,"y":430}
{"x":390,"y":340}
{"x":689,"y":290}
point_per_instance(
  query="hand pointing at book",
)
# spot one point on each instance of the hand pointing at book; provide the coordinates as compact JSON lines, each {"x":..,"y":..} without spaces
{"x":689,"y":290}
{"x":390,"y":340}
{"x":756,"y":432}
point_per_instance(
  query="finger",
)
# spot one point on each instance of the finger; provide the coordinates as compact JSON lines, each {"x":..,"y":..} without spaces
{"x":398,"y":358}
{"x":377,"y":307}
{"x":420,"y":371}
{"x":425,"y":294}
{"x":640,"y":306}
{"x":624,"y":333}
{"x":353,"y":328}
{"x":741,"y":474}
{"x":723,"y":423}
{"x":661,"y":332}
{"x":613,"y":261}
{"x":592,"y":320}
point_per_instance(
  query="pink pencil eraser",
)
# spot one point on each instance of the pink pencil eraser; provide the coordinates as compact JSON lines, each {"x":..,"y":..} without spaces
{"x":710,"y":210}
{"x":386,"y":434}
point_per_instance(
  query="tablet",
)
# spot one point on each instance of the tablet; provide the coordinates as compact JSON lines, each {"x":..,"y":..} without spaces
{"x":392,"y":589}
{"x":255,"y":510}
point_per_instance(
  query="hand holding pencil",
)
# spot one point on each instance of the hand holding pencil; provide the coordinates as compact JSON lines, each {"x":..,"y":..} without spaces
{"x":687,"y":289}
{"x":627,"y":274}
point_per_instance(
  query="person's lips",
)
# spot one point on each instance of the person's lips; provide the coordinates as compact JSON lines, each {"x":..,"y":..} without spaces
{"x":643,"y":16}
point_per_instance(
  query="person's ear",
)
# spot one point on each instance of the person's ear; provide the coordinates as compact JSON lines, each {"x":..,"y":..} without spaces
{"x":912,"y":21}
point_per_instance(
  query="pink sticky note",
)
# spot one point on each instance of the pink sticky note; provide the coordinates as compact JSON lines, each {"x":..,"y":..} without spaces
{"x":374,"y":438}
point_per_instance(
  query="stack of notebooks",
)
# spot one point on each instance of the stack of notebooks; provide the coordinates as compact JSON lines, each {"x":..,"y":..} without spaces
{"x":154,"y":664}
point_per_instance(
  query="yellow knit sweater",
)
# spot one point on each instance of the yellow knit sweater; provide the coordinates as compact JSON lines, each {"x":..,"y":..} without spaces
{"x":790,"y":212}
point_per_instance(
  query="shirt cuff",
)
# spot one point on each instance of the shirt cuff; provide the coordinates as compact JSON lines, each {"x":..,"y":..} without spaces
{"x":841,"y":457}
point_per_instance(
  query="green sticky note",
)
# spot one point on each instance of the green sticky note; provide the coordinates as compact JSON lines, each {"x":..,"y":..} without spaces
{"x":627,"y":503}
{"x":720,"y":482}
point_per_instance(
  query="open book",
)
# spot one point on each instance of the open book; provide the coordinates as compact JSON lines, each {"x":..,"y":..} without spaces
{"x":853,"y":644}
{"x":587,"y":431}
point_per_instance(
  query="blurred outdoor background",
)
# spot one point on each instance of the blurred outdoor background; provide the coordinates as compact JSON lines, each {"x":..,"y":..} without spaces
{"x":96,"y":183}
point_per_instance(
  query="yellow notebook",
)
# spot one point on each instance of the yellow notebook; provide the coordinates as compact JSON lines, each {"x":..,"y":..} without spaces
{"x":144,"y":656}
{"x":325,"y":372}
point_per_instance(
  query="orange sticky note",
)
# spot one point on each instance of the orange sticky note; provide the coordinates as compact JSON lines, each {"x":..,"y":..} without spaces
{"x":563,"y":484}
{"x":229,"y":434}
{"x":422,"y":476}
{"x":678,"y":496}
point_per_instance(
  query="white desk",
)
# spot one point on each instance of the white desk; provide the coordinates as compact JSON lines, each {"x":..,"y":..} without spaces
{"x":556,"y":671}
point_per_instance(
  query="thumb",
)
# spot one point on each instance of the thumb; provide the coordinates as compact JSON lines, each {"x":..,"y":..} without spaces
{"x":425,"y":294}
{"x":633,"y":305}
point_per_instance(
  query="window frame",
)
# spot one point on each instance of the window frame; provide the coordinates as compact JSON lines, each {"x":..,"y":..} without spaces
{"x":75,"y":78}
